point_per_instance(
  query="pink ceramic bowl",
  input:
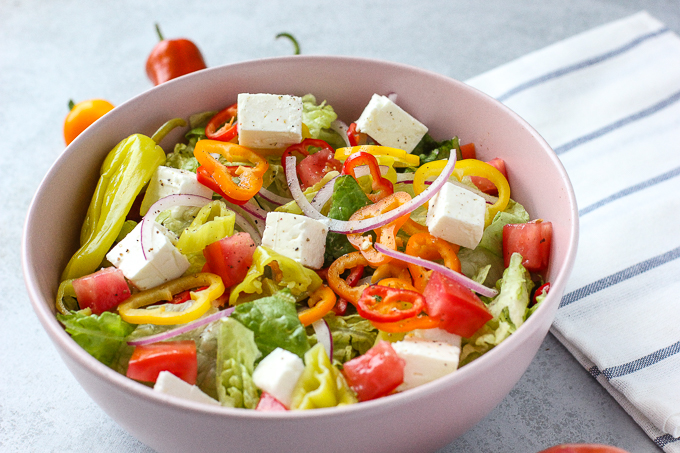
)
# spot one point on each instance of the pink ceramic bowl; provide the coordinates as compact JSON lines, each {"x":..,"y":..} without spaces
{"x":423,"y":419}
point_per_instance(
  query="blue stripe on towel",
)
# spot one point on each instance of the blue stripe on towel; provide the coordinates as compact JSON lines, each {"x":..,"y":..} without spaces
{"x":631,"y":190}
{"x":672,"y":99}
{"x":666,"y":439}
{"x":642,"y":362}
{"x":583,"y":64}
{"x":620,"y":276}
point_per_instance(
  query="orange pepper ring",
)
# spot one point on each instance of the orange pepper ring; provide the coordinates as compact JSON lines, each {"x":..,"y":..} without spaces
{"x":386,"y":235}
{"x":395,"y":269}
{"x":426,"y":246}
{"x":338,"y":284}
{"x":320,"y":302}
{"x":250,"y":178}
{"x":397,"y":283}
{"x":407,"y":325}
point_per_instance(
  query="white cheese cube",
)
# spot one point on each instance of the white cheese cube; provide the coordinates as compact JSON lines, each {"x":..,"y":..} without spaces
{"x":425,"y":361}
{"x":164,"y":261}
{"x":170,"y":384}
{"x":436,"y":334}
{"x":278,"y":373}
{"x":390,"y":125}
{"x":171,"y":181}
{"x":457,"y":215}
{"x":300,"y":238}
{"x":269,"y":120}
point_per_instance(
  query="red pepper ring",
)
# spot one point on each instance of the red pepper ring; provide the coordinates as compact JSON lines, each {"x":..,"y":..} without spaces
{"x":302,"y":149}
{"x":240,"y":184}
{"x":384,"y":304}
{"x":225,"y":120}
{"x":382,"y":187}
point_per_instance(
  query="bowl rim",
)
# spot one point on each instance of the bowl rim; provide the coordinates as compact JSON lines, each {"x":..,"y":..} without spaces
{"x":66,"y":345}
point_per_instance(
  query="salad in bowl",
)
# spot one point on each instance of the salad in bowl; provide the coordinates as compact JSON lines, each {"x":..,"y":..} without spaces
{"x":281,"y":258}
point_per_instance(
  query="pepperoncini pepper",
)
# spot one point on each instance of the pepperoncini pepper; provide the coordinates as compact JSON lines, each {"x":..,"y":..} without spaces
{"x":123,"y":175}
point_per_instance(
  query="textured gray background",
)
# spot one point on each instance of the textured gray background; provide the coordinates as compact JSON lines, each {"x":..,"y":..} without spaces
{"x":51,"y":51}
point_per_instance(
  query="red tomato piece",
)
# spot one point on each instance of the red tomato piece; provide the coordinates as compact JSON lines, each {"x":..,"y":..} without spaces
{"x":376,"y":373}
{"x":459,"y":310}
{"x":230,"y":257}
{"x":531,"y":240}
{"x":101,"y":291}
{"x":583,"y":448}
{"x":268,"y":403}
{"x":177,"y":357}
{"x":315,"y":166}
{"x":468,"y":151}
{"x":484,"y":184}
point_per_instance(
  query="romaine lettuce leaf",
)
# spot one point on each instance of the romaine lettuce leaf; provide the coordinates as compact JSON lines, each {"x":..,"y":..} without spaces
{"x":430,"y":150}
{"x":103,"y":337}
{"x":352,"y":336}
{"x":236,"y":355}
{"x":316,"y":116}
{"x":274,"y":322}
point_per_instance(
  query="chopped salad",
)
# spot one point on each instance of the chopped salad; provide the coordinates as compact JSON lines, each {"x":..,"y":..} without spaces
{"x":280,"y":259}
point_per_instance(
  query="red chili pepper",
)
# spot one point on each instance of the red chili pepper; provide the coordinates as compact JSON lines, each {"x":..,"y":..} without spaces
{"x":382,"y":187}
{"x":385,"y":304}
{"x":171,"y":58}
{"x":222,"y":126}
{"x":352,"y":280}
{"x":542,"y":290}
{"x":355,"y":137}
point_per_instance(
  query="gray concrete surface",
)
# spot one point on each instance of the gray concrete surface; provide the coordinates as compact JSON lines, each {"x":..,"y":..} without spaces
{"x":51,"y":51}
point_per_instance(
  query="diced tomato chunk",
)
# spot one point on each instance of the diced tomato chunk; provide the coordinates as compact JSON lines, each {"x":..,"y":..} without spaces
{"x":376,"y":373}
{"x":314,"y":167}
{"x":101,"y":291}
{"x":459,"y":310}
{"x":177,"y":357}
{"x":468,"y":151}
{"x":531,"y":240}
{"x":268,"y":403}
{"x":484,"y":184}
{"x":230,"y":258}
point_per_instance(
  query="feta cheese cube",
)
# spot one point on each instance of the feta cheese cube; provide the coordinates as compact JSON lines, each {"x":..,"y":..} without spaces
{"x":170,"y":181}
{"x":278,"y":373}
{"x":436,"y":334}
{"x":390,"y":125}
{"x":297,"y":237}
{"x":269,"y":120}
{"x":425,"y":361}
{"x":457,"y":215}
{"x":164,"y":262}
{"x":170,"y":384}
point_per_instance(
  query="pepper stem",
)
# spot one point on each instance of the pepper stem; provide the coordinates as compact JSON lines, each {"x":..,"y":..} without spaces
{"x":71,"y":104}
{"x":292,"y":39}
{"x":166,"y":128}
{"x":158,"y":30}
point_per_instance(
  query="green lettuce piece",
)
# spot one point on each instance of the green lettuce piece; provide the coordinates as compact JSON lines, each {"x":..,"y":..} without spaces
{"x":275,"y":323}
{"x":182,"y":156}
{"x":213,"y":222}
{"x":300,"y":280}
{"x":321,"y":384}
{"x":509,"y":310}
{"x":347,"y":199}
{"x":316,"y":116}
{"x":177,"y":220}
{"x":236,"y":355}
{"x":492,"y":239}
{"x":352,"y":336}
{"x":430,"y":150}
{"x":103,"y":337}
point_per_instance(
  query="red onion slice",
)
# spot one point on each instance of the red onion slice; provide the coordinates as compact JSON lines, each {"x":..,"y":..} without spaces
{"x":182,"y":329}
{"x":324,"y":194}
{"x":460,"y":278}
{"x":324,"y":336}
{"x":273,"y":198}
{"x":247,"y":227}
{"x":341,"y":128}
{"x":361,"y":226}
{"x":164,"y":204}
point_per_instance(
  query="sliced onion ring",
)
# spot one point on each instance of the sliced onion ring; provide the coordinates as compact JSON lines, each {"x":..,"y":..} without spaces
{"x":164,"y":204}
{"x":453,"y":275}
{"x":273,"y":198}
{"x":361,"y":226}
{"x":341,"y":128}
{"x":246,"y":226}
{"x":182,"y":329}
{"x":324,"y":194}
{"x":324,"y":336}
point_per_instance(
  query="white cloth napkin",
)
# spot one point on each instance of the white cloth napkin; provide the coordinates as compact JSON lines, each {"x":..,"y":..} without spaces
{"x":608,"y":102}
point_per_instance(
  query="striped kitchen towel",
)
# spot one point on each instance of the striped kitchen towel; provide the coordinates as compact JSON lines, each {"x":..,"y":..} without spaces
{"x":607,"y":101}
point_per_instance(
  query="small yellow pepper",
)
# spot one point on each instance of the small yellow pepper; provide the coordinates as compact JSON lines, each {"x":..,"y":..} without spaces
{"x":468,"y":167}
{"x":401,"y":157}
{"x":131,"y":310}
{"x":320,"y":303}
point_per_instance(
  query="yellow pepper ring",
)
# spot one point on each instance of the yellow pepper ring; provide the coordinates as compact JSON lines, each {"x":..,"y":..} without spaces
{"x":131,"y":312}
{"x":320,"y":302}
{"x":468,"y":167}
{"x":401,"y":157}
